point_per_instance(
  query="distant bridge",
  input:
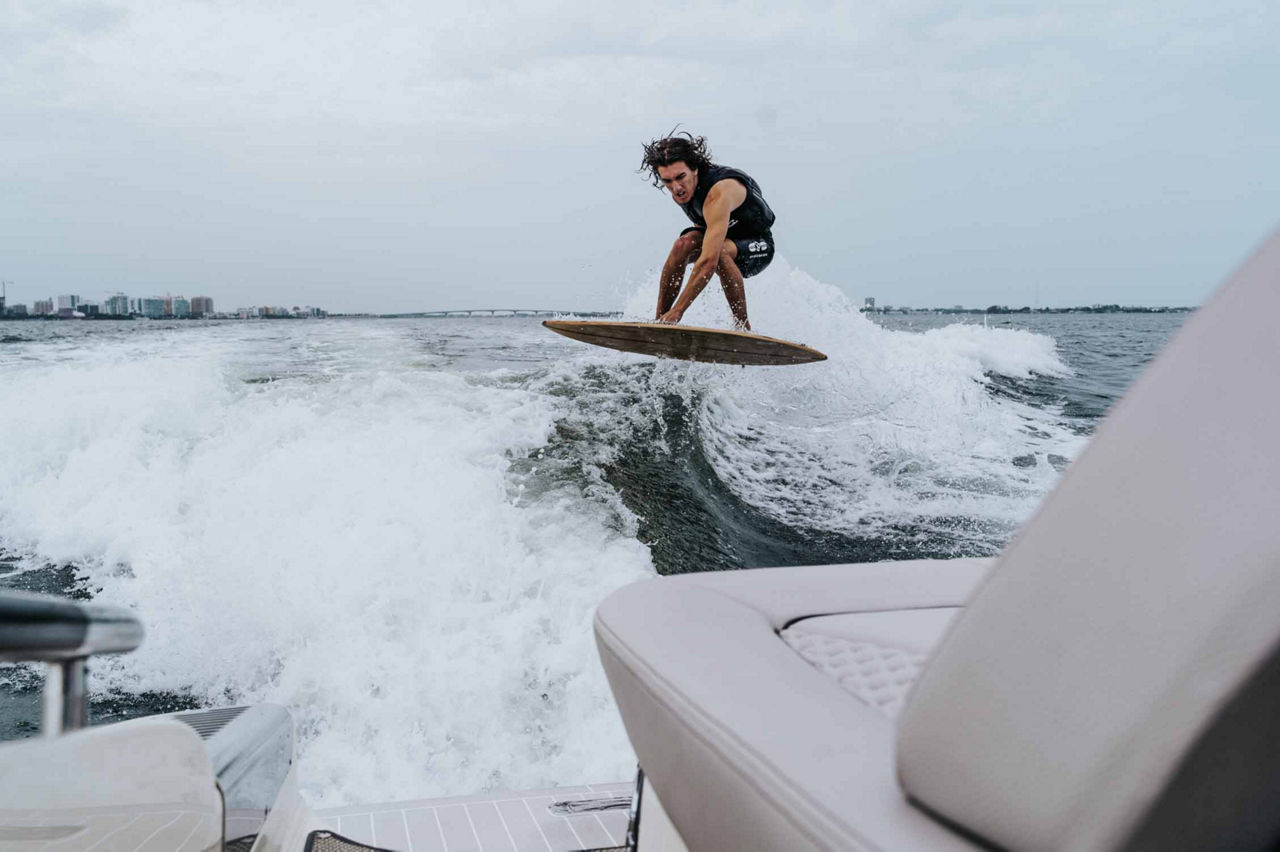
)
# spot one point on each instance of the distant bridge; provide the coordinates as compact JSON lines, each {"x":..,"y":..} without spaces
{"x":500,"y":312}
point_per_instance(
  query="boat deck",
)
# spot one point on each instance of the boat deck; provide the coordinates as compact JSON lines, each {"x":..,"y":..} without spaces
{"x":511,"y":822}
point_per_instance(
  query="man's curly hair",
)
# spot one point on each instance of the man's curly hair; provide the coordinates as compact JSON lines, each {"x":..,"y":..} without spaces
{"x":678,"y":147}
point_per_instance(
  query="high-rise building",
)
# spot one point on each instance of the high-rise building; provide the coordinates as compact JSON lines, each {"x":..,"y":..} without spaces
{"x":153,"y":308}
{"x":117,"y":304}
{"x":42,"y":307}
{"x":181,"y":307}
{"x":17,"y":310}
{"x":68,"y":303}
{"x":167,"y":301}
{"x":201,"y":306}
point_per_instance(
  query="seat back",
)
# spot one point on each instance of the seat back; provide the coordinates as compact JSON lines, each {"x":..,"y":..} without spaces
{"x":1114,"y":684}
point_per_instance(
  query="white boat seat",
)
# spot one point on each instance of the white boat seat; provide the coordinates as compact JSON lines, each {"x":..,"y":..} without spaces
{"x":1113,"y":684}
{"x":145,"y":784}
{"x":755,"y":740}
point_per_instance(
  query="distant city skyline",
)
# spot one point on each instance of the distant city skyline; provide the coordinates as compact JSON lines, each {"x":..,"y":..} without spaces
{"x":114,"y":304}
{"x":118,"y":304}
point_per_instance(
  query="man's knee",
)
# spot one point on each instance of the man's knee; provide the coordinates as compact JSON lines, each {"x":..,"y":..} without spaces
{"x":686,"y":245}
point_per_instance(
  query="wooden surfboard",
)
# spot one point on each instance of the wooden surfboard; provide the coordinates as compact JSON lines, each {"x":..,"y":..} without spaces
{"x":687,"y":342}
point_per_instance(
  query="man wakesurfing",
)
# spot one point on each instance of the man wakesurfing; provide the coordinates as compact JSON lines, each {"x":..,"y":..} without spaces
{"x":730,"y":236}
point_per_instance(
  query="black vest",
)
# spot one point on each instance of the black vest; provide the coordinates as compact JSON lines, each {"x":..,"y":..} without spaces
{"x":752,"y":218}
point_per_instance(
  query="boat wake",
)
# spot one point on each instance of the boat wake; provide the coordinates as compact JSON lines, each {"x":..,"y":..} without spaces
{"x":901,"y":445}
{"x":400,"y":529}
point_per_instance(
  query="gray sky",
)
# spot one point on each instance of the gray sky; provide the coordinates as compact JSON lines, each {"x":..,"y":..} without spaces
{"x":399,"y":156}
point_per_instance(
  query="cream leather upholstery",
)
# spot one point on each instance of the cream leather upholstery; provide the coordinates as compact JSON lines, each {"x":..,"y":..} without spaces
{"x":748,"y":745}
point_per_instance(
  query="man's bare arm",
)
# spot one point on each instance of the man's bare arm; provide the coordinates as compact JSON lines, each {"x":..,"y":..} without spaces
{"x":723,"y":198}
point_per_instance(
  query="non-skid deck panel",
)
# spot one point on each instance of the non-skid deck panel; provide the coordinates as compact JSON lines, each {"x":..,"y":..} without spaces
{"x":141,"y":830}
{"x":509,"y":822}
{"x":209,"y":722}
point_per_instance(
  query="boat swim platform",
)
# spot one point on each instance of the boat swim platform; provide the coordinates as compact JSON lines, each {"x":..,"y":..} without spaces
{"x":509,"y":822}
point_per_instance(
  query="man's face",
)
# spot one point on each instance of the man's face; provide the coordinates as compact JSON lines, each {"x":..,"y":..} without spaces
{"x":680,"y":181}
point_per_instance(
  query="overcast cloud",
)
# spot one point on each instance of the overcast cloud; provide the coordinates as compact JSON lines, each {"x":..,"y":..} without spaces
{"x":397,"y":156}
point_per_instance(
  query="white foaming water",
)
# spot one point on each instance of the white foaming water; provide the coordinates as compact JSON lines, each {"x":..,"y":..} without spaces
{"x":344,"y":541}
{"x":895,"y":429}
{"x":367,"y":537}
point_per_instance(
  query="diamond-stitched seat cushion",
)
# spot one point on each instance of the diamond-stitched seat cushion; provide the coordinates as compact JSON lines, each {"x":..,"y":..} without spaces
{"x":875,"y":675}
{"x":874,"y":656}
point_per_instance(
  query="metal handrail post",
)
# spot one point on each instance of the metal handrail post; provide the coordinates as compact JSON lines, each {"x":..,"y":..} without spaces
{"x":66,"y":696}
{"x":51,"y":700}
{"x":75,"y":694}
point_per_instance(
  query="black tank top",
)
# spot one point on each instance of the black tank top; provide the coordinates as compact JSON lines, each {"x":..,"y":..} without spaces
{"x":752,"y":218}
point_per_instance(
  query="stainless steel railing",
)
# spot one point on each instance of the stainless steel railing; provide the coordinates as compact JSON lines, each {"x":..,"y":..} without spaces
{"x":63,"y":634}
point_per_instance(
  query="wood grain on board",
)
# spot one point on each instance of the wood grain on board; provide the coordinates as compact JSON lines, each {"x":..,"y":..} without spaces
{"x":686,"y":342}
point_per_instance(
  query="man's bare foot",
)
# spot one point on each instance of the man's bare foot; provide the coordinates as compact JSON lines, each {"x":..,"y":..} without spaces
{"x":672,"y":316}
{"x":745,"y":325}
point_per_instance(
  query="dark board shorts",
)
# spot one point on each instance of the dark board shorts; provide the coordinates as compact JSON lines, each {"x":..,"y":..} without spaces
{"x":754,"y":253}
